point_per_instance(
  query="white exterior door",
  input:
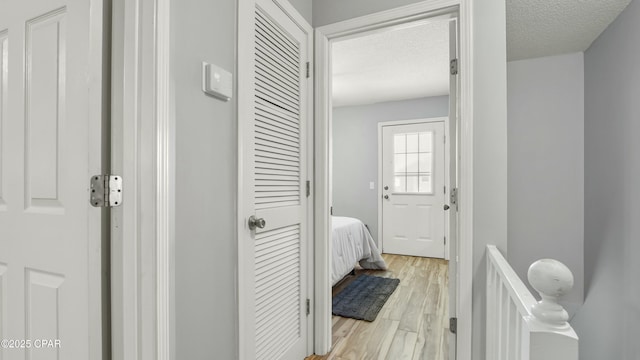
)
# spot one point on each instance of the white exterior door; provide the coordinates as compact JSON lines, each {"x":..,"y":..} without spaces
{"x":413,"y":165}
{"x":50,"y":145}
{"x":274,"y":257}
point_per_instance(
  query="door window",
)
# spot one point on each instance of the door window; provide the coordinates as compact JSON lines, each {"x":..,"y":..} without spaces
{"x":413,"y":162}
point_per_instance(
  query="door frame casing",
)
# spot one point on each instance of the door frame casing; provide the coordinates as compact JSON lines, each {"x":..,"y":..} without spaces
{"x":324,"y":36}
{"x":245,"y":38}
{"x":143,"y":153}
{"x":447,"y":175}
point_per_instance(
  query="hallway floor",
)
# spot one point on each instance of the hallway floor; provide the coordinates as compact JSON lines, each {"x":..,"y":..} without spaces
{"x":413,"y":324}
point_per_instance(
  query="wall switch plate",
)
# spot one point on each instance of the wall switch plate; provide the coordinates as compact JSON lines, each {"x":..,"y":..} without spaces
{"x":372,"y":185}
{"x":216,"y":81}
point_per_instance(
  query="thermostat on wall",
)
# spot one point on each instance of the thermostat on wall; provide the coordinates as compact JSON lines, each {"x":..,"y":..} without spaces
{"x":216,"y":81}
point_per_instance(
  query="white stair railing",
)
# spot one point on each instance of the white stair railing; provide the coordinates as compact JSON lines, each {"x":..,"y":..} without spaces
{"x":518,"y":326}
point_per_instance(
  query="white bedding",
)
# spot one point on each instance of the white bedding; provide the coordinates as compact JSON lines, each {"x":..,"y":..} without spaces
{"x":352,"y":243}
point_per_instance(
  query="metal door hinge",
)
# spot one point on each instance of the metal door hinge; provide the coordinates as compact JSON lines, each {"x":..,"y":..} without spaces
{"x":308,"y":188}
{"x":308,"y":306}
{"x":454,"y":66}
{"x":308,"y":70}
{"x":454,"y":197}
{"x":445,"y":240}
{"x":106,"y":190}
{"x":453,"y":325}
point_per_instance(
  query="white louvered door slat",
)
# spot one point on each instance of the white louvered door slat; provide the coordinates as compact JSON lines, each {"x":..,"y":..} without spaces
{"x":275,"y":170}
{"x":276,"y":129}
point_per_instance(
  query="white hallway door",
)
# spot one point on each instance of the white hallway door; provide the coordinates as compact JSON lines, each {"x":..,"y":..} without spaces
{"x":274,"y":255}
{"x":413,"y":165}
{"x":50,"y":145}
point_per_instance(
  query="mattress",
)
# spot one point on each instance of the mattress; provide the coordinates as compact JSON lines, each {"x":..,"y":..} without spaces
{"x":352,"y":243}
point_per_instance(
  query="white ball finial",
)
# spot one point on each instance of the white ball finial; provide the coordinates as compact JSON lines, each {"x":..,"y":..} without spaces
{"x":551,"y":279}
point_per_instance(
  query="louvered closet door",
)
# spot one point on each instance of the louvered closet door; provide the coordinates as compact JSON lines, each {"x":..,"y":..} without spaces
{"x":279,"y":192}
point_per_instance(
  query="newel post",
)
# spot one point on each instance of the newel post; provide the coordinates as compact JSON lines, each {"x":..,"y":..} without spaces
{"x":551,"y":279}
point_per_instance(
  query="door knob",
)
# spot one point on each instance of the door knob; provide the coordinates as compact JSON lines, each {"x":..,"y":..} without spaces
{"x":256,"y":223}
{"x":446,"y":207}
{"x":386,"y":188}
{"x":386,"y":197}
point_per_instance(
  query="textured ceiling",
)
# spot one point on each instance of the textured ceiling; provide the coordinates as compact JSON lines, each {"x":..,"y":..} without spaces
{"x":412,"y":62}
{"x":401,"y":64}
{"x":538,"y":28}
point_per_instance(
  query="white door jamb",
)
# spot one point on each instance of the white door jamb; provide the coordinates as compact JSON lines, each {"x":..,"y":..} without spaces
{"x":143,"y":154}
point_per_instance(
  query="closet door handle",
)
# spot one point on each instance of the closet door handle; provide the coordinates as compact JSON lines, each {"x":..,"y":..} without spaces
{"x":386,"y":197}
{"x":256,"y":223}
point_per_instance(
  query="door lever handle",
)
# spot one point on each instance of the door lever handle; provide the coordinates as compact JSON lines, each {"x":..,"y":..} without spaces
{"x":256,"y":223}
{"x":446,"y":207}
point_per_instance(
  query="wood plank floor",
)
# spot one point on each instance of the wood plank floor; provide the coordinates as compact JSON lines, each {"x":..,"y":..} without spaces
{"x":413,"y":324}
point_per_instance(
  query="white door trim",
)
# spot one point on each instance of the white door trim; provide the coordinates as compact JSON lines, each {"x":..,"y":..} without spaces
{"x":165,"y":193}
{"x":245,"y":38}
{"x":447,"y":166}
{"x":142,"y":152}
{"x":324,"y":36}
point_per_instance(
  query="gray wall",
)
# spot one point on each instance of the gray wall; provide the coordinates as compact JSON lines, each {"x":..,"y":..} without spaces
{"x":355,"y":152}
{"x":205,"y":249}
{"x":609,"y":322}
{"x":206,"y":154}
{"x":546,"y":165}
{"x":489,"y":152}
{"x":305,"y":8}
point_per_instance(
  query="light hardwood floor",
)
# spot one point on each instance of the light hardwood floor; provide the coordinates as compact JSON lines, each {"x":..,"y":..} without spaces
{"x":413,"y":324}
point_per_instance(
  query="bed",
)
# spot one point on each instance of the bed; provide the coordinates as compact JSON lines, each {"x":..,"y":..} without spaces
{"x":352,"y":243}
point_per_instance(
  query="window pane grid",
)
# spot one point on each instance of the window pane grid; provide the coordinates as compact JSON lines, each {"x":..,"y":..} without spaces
{"x":413,"y":162}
